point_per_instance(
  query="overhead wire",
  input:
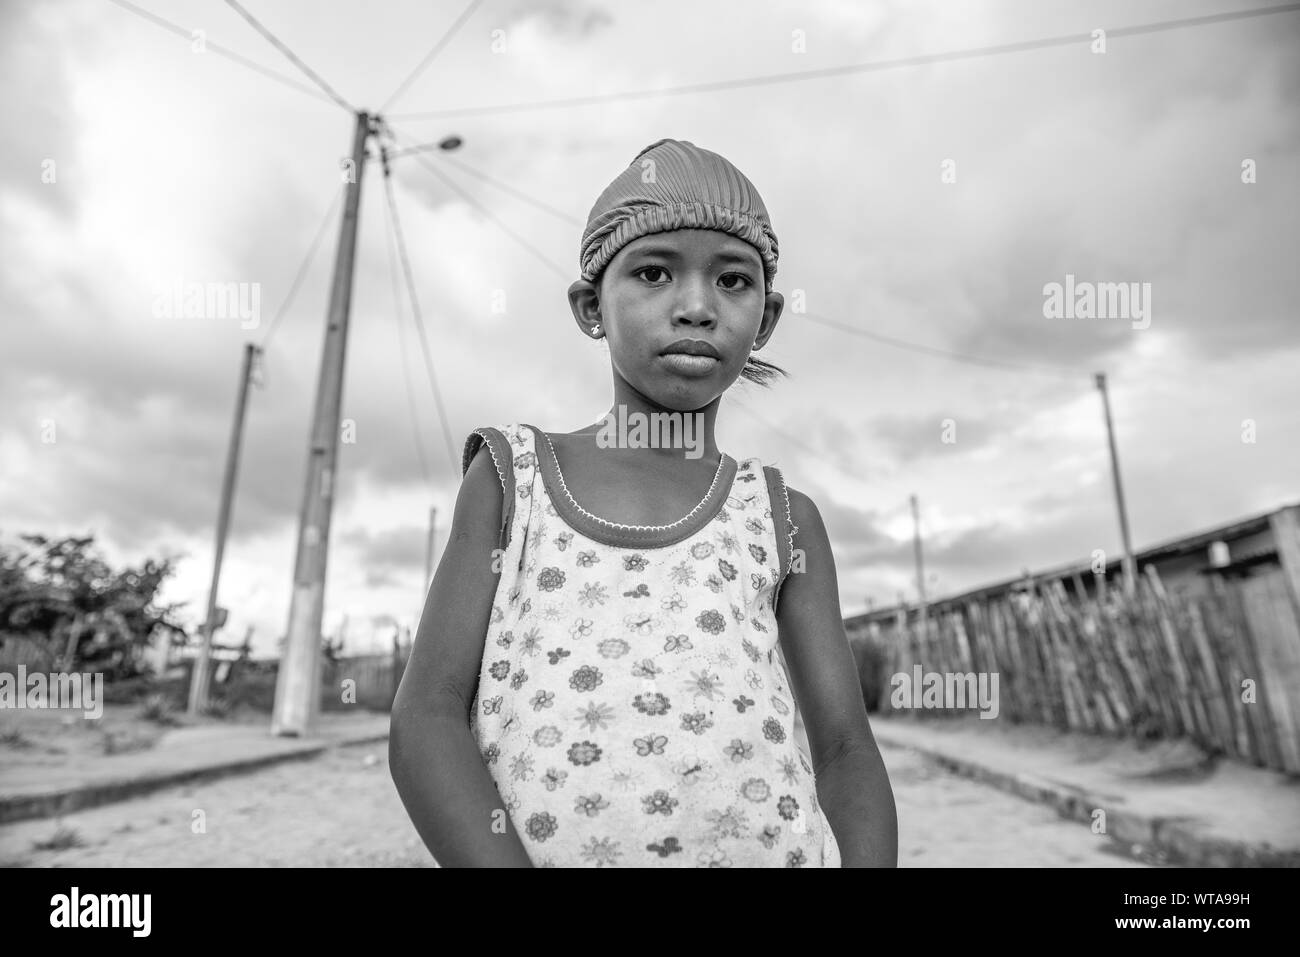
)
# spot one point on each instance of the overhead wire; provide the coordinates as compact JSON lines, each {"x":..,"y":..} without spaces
{"x":391,"y":244}
{"x":988,"y":362}
{"x":293,"y":57}
{"x":437,"y":47}
{"x":537,"y":253}
{"x":214,"y":47}
{"x":504,"y":187}
{"x":303,"y":267}
{"x":418,"y":319}
{"x":869,"y":67}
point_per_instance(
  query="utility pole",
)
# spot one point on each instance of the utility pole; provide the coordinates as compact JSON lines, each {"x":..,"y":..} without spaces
{"x":199,"y":676}
{"x":920,"y":568}
{"x":297,"y":689}
{"x":1129,"y":565}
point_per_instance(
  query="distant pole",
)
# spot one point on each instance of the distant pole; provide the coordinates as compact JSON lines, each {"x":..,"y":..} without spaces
{"x":297,"y":697}
{"x":199,"y":676}
{"x":920,"y":567}
{"x":1130,"y":566}
{"x":428,"y":550}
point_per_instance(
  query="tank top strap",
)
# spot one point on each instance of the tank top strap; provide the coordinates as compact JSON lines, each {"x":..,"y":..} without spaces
{"x":779,"y":498}
{"x":515,"y":460}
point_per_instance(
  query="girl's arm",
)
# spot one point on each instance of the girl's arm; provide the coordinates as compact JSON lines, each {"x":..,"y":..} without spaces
{"x":432,"y":755}
{"x":852,"y":784}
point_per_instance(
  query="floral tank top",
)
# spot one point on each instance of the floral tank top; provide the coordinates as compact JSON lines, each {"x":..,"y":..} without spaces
{"x":633,"y":705}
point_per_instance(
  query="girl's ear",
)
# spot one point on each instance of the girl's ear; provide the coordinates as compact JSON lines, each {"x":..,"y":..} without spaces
{"x":772,"y":307}
{"x":584,"y":300}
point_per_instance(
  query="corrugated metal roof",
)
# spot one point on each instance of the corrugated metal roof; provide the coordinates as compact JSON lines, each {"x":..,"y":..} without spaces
{"x":1178,"y":546}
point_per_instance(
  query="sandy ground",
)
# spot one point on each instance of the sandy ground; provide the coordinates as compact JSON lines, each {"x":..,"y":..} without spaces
{"x":53,"y":738}
{"x":341,"y":809}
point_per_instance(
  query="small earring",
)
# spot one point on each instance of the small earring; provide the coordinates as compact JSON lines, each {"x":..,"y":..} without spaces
{"x":595,"y":330}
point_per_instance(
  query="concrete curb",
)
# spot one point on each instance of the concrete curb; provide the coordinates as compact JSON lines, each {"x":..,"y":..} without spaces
{"x":1181,"y":840}
{"x":58,"y":801}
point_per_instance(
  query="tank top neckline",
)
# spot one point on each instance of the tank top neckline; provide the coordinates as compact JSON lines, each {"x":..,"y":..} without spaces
{"x":630,"y":536}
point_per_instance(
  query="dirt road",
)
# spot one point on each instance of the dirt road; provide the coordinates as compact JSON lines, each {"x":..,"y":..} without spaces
{"x":341,"y":810}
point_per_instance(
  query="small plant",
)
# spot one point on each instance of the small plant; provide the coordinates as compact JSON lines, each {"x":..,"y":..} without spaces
{"x":63,"y":838}
{"x":157,"y":708}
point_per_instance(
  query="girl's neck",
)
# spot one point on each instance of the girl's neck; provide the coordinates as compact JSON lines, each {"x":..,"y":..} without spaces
{"x":636,"y":423}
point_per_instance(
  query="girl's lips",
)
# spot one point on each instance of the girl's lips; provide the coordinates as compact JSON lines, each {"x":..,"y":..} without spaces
{"x":694,"y":366}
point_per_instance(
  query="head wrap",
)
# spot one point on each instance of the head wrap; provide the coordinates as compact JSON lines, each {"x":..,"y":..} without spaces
{"x":687,"y":188}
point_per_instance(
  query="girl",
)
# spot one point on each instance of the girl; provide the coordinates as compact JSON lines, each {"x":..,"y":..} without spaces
{"x":600,"y":674}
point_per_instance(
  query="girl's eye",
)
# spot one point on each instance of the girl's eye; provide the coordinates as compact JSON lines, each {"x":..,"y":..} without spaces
{"x":650,"y":269}
{"x":736,"y":275}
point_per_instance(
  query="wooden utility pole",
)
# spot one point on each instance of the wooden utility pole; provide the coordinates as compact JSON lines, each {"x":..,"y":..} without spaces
{"x":1129,"y":565}
{"x":297,"y":689}
{"x":920,"y":568}
{"x":199,"y":676}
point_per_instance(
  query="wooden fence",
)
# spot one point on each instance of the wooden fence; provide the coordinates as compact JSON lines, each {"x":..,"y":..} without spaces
{"x":375,"y":679}
{"x":1222,"y":669}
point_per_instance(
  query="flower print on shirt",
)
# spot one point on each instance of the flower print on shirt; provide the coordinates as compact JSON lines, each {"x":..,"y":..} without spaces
{"x":593,"y":594}
{"x":583,"y":753}
{"x":541,"y":826}
{"x":590,"y":804}
{"x":660,"y":802}
{"x":613,"y":648}
{"x":711,"y":621}
{"x":550,"y":579}
{"x":595,"y":717}
{"x":731,"y":822}
{"x":652,"y":704}
{"x":547,"y":736}
{"x":630,"y":709}
{"x":703,"y":684}
{"x":697,"y":722}
{"x":521,"y":768}
{"x":602,"y":852}
{"x":738,"y":750}
{"x":543,"y":699}
{"x":714,"y":857}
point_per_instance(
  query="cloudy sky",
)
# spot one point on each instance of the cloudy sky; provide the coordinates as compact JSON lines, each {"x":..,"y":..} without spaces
{"x":134,"y":162}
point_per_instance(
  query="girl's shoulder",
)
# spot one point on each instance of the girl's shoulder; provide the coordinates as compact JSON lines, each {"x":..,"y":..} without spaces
{"x":504,"y":441}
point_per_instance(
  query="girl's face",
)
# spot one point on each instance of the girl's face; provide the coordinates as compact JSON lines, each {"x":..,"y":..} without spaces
{"x":699,"y":286}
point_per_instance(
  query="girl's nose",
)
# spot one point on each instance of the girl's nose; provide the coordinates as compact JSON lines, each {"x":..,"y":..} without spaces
{"x":695,"y":302}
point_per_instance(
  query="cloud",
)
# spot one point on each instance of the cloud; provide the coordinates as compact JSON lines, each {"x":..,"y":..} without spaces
{"x":393,"y":548}
{"x":1117,"y":168}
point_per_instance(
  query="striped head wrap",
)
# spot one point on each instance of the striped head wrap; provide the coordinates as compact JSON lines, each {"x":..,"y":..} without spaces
{"x":673,"y":184}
